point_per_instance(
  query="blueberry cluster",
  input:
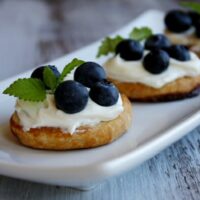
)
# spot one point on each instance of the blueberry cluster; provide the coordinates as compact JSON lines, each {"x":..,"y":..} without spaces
{"x":179,"y":21}
{"x":157,"y":60}
{"x":72,"y":96}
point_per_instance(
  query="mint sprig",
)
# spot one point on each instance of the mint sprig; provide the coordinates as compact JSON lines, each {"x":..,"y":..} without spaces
{"x":140,"y":34}
{"x":50,"y":79}
{"x":28,"y":89}
{"x":194,"y":6}
{"x":33,"y":89}
{"x":69,"y":67}
{"x":108,"y":45}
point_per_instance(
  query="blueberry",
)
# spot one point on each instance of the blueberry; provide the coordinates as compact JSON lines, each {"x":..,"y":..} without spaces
{"x":89,"y":73}
{"x":157,"y":41}
{"x":38,"y":72}
{"x":194,"y":16}
{"x":71,"y":97}
{"x":179,"y":52}
{"x":156,"y":61}
{"x":178,"y":21}
{"x":130,"y":50}
{"x":104,"y":93}
{"x":197,"y":29}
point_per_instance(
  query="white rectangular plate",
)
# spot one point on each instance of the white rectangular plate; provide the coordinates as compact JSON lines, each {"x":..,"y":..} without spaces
{"x":154,"y":127}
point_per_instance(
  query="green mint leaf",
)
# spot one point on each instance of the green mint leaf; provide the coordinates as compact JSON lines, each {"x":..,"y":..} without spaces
{"x":192,"y":5}
{"x":49,"y":78}
{"x":140,"y":33}
{"x":28,"y":89}
{"x":69,"y":67}
{"x":108,"y":45}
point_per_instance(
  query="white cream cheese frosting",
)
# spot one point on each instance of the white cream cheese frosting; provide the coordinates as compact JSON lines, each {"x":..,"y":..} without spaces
{"x":134,"y":72}
{"x":189,"y":32}
{"x":185,"y":38}
{"x":45,"y":114}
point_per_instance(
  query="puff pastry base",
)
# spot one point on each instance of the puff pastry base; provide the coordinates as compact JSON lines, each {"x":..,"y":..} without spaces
{"x":84,"y":137}
{"x":179,"y":89}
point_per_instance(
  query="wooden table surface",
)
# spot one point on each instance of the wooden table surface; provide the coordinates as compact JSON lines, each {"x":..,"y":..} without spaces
{"x":33,"y":32}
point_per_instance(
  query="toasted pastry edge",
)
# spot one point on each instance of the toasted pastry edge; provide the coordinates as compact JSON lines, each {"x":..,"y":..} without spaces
{"x":181,"y":88}
{"x":84,"y":137}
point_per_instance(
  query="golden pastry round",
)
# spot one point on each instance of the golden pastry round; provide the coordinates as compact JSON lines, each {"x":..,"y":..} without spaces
{"x":180,"y":88}
{"x":85,"y":137}
{"x":191,"y":41}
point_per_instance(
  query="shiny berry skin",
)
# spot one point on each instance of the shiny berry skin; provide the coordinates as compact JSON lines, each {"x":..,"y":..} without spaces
{"x":197,"y":29}
{"x":104,"y":93}
{"x":130,"y":50}
{"x":89,"y":73}
{"x":178,"y":21}
{"x":71,"y":97}
{"x":179,"y":52}
{"x":194,"y":16}
{"x":156,"y":61}
{"x":38,"y":72}
{"x":157,"y":41}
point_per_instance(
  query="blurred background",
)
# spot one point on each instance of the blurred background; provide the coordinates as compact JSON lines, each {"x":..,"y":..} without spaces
{"x":33,"y":32}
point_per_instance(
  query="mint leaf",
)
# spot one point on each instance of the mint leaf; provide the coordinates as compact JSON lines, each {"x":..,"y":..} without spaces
{"x":108,"y":45}
{"x":69,"y":67}
{"x":140,"y":33}
{"x":28,"y":89}
{"x":192,"y":5}
{"x":49,"y":78}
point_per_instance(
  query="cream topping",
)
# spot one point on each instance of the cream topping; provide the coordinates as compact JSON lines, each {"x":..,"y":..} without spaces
{"x":190,"y":31}
{"x":45,"y":114}
{"x":185,"y":38}
{"x":133,"y":71}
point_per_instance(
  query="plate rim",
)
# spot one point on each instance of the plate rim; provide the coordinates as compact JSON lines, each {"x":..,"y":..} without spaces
{"x":186,"y":125}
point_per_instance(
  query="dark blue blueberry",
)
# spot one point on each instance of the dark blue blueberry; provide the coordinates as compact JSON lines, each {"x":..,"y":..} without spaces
{"x":89,"y":73}
{"x":178,"y":21}
{"x":104,"y":93}
{"x":197,"y":29}
{"x":71,"y":97}
{"x":130,"y":50}
{"x":194,"y":16}
{"x":38,"y":72}
{"x":179,"y":52}
{"x":156,"y":61}
{"x":157,"y":41}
